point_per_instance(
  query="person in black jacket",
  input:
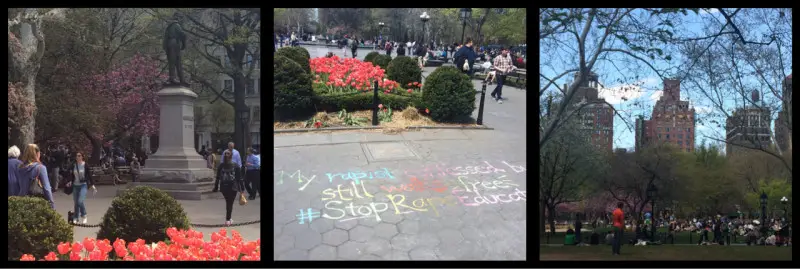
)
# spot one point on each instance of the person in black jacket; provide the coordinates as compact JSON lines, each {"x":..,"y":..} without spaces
{"x":465,"y":53}
{"x":231,"y":183}
{"x":401,"y":49}
{"x":80,"y":179}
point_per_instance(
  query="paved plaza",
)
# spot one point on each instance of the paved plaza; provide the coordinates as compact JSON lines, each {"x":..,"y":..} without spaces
{"x":209,"y":211}
{"x":419,"y":195}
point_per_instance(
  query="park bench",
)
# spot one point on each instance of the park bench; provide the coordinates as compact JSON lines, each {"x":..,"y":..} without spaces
{"x":520,"y":76}
{"x":434,"y":63}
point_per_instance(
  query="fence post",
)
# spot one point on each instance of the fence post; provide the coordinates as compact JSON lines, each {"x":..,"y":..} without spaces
{"x":480,"y":108}
{"x":375,"y":105}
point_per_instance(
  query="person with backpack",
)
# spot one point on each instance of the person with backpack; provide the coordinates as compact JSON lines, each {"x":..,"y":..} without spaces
{"x":229,"y":177}
{"x":79,"y":177}
{"x":354,"y":46}
{"x":465,"y":58}
{"x":401,"y":49}
{"x":32,"y":176}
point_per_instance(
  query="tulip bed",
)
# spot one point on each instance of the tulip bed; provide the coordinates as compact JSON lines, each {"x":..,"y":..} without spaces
{"x":183,"y":245}
{"x":348,"y":83}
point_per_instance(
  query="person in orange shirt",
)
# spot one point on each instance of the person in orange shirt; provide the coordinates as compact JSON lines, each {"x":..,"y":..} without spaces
{"x":619,"y":229}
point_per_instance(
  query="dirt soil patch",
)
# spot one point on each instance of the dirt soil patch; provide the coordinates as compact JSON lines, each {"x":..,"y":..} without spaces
{"x":401,"y":120}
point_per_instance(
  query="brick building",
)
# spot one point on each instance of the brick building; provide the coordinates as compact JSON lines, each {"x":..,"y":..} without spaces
{"x":782,"y":125}
{"x":748,"y":126}
{"x":596,"y":117}
{"x":672,"y":121}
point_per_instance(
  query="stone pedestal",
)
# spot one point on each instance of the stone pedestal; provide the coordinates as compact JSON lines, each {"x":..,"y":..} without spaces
{"x":176,"y":167}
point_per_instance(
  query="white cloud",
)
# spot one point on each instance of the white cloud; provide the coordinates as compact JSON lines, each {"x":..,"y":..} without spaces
{"x":702,"y":109}
{"x":656,"y":95}
{"x":620,"y":93}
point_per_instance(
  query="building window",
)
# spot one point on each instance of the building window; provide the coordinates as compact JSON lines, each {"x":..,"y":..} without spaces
{"x":227,"y":61}
{"x":680,"y":143}
{"x":659,"y":129}
{"x":659,"y":136}
{"x":255,"y":138}
{"x":228,"y":85}
{"x":680,"y":136}
{"x":667,"y":129}
{"x":256,"y":114}
{"x":251,"y":87}
{"x":667,"y":136}
{"x":689,"y":130}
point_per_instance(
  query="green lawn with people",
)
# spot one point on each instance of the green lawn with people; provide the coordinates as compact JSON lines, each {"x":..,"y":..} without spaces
{"x":680,"y":237}
{"x":666,"y":252}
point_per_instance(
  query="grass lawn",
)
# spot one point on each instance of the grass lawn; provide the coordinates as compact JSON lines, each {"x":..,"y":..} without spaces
{"x":666,"y":252}
{"x":680,"y":238}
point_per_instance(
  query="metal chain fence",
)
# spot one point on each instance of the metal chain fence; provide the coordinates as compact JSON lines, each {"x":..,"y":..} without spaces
{"x":192,"y":224}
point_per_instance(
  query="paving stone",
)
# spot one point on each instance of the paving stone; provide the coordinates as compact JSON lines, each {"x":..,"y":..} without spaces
{"x":408,"y":226}
{"x":322,"y":252}
{"x":386,"y":230}
{"x":284,"y":243}
{"x":294,"y":255}
{"x":378,"y":246}
{"x":370,"y":257}
{"x":307,"y":240}
{"x":361,"y":233}
{"x":322,"y":226}
{"x":397,"y":255}
{"x":422,"y":253}
{"x":450,"y":236}
{"x":345,"y":225}
{"x":351,"y":250}
{"x":335,"y":237}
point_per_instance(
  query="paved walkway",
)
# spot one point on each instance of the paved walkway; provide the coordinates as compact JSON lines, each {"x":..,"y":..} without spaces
{"x":211,"y":211}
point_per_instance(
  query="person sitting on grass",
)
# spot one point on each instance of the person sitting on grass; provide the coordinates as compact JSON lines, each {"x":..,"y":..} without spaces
{"x":569,"y":238}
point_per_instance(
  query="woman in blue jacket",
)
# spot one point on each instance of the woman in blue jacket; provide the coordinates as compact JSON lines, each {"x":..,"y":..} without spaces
{"x":30,"y":168}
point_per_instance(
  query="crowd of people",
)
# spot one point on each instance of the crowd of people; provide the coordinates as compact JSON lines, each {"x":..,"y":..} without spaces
{"x":31,"y":172}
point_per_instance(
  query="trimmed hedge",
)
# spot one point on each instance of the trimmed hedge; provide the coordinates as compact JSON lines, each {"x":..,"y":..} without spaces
{"x":142,"y":212}
{"x":34,"y":227}
{"x":404,"y":70}
{"x":292,"y":90}
{"x":371,"y":56}
{"x":382,"y":60}
{"x":298,"y":54}
{"x":449,"y":94}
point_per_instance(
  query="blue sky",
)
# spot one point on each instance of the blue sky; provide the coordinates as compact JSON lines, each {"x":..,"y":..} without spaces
{"x":633,"y":88}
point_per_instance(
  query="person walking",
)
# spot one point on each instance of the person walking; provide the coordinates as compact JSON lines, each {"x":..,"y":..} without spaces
{"x":253,"y":174}
{"x":79,"y":178}
{"x":32,"y":171}
{"x":13,"y":166}
{"x":229,"y":176}
{"x":136,"y":168}
{"x":236,"y":159}
{"x":354,"y":46}
{"x":388,"y":48}
{"x":619,"y":229}
{"x":401,"y":49}
{"x":578,"y":227}
{"x":211,"y":160}
{"x":464,"y":58}
{"x":503,"y":65}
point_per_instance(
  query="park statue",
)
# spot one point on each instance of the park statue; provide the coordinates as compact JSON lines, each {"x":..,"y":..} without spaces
{"x":174,"y":42}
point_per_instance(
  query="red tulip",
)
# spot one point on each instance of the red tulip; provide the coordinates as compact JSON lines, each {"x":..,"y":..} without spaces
{"x":63,"y":248}
{"x":27,"y":257}
{"x":74,"y":256}
{"x":77,"y":247}
{"x":427,"y":111}
{"x":318,"y":124}
{"x":51,"y":256}
{"x":380,"y":106}
{"x":409,"y":90}
{"x":88,"y":243}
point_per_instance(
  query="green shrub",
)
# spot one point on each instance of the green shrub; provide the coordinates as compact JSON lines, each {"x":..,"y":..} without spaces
{"x":382,"y":60}
{"x":34,"y":227}
{"x":292,"y":90}
{"x":142,"y":212}
{"x":449,"y":94}
{"x":298,"y":54}
{"x":371,"y":56}
{"x":404,"y":70}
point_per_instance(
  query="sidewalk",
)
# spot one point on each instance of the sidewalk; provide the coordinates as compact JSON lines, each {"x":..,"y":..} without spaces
{"x":372,"y":196}
{"x":211,"y":211}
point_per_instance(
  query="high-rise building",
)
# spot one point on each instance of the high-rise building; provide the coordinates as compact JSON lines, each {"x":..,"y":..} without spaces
{"x":782,"y":123}
{"x":748,"y":127}
{"x":672,"y":120}
{"x":595,"y":117}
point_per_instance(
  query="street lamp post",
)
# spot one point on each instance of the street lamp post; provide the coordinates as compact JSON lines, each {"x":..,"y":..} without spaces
{"x":785,"y":202}
{"x":763,"y":209}
{"x":466,"y":13}
{"x":381,"y":25}
{"x":424,"y":17}
{"x":651,"y":192}
{"x":244,"y":116}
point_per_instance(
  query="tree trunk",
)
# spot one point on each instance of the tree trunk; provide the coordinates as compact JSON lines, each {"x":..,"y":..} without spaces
{"x":541,"y":219}
{"x":551,"y":218}
{"x":239,"y":96}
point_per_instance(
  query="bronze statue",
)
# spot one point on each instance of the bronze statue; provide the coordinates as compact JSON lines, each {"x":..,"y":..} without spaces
{"x":174,"y":42}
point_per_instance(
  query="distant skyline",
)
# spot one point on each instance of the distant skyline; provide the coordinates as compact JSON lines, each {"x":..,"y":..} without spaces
{"x":637,"y":95}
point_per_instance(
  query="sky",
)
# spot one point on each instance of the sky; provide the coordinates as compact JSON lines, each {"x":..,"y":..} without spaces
{"x":641,"y":93}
